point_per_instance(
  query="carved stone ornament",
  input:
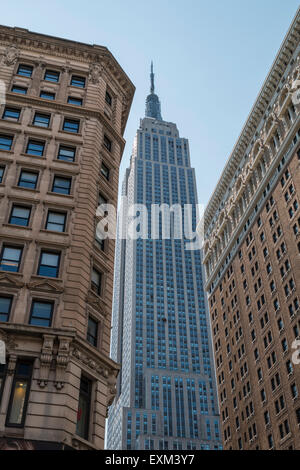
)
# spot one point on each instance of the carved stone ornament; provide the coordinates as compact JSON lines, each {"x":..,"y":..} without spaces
{"x":45,"y":360}
{"x":95,"y":73}
{"x":10,"y":57}
{"x":62,"y":361}
{"x":8,"y":340}
{"x":111,"y":388}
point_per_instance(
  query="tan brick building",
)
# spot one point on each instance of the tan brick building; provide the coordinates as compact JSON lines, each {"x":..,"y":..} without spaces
{"x":252,"y":260}
{"x":61,"y":142}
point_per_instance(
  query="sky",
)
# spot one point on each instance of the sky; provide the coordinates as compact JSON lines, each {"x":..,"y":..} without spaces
{"x":210,"y":60}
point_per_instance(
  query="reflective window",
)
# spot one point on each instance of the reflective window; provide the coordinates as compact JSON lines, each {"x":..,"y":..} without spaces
{"x":19,"y":395}
{"x":51,"y":76}
{"x":5,"y":142}
{"x":13,"y":114}
{"x":49,"y":264}
{"x":20,"y":215}
{"x":56,"y":221}
{"x":28,"y":179}
{"x":78,"y":81}
{"x":41,"y":313}
{"x":92,"y":333}
{"x":35,"y":147}
{"x":41,"y":120}
{"x":71,"y":125}
{"x":47,"y":95}
{"x":61,"y":185}
{"x":66,"y":153}
{"x":75,"y":101}
{"x":25,"y":70}
{"x":10,"y":259}
{"x":5,"y":305}
{"x":19,"y":89}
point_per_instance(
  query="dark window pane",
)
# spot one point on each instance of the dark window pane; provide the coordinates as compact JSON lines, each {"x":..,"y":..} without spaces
{"x":107,"y":143}
{"x":5,"y":142}
{"x":49,"y":264}
{"x":41,"y":120}
{"x":35,"y":148}
{"x":105,"y":171}
{"x":41,"y":313}
{"x":56,"y":221}
{"x":10,"y":259}
{"x":28,"y":179}
{"x":66,"y":153}
{"x":47,"y":95}
{"x":5,"y":305}
{"x":12,"y":114}
{"x":75,"y":101}
{"x":96,"y":281}
{"x":83,"y":415}
{"x":19,"y":89}
{"x":2,"y":168}
{"x":71,"y":126}
{"x":51,"y":76}
{"x":61,"y":185}
{"x":78,"y":81}
{"x":108,"y":98}
{"x":25,"y":70}
{"x":20,"y":216}
{"x":92,"y":331}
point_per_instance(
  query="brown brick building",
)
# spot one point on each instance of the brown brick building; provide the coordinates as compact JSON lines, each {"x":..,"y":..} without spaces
{"x":61,"y":142}
{"x":252,"y":260}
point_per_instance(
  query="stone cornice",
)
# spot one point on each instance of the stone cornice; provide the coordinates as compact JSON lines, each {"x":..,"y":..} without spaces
{"x":270,"y":85}
{"x":72,"y":50}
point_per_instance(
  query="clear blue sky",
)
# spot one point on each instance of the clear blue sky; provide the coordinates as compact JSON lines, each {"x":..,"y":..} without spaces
{"x":210,"y":60}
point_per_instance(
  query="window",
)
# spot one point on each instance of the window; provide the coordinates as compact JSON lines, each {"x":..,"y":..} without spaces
{"x":96,"y":282}
{"x":71,"y":125}
{"x":84,"y":408}
{"x":2,"y":169}
{"x":49,"y":264}
{"x":108,"y":98}
{"x":298,"y":415}
{"x":35,"y":147}
{"x":10,"y":259}
{"x":25,"y":70}
{"x":56,"y":221}
{"x":75,"y":101}
{"x":47,"y":95}
{"x":41,"y":313}
{"x":6,"y":142}
{"x":19,"y":395}
{"x":19,"y":89}
{"x":20,"y":215}
{"x":66,"y":153}
{"x":5,"y":306}
{"x":41,"y":120}
{"x":107,"y":143}
{"x":28,"y":179}
{"x":51,"y":76}
{"x":78,"y":81}
{"x":105,"y":171}
{"x":294,"y":390}
{"x":61,"y":185}
{"x":92,"y":332}
{"x":13,"y":114}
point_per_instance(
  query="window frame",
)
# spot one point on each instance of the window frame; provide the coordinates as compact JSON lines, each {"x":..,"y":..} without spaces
{"x":7,"y":136}
{"x":4,"y":246}
{"x":54,"y":72}
{"x":35,"y":142}
{"x":20,"y":206}
{"x":35,"y":121}
{"x":88,"y":398}
{"x":14,"y":87}
{"x":62,"y":178}
{"x":25,"y":74}
{"x":68,"y":148}
{"x":80,"y":77}
{"x":24,"y":170}
{"x":45,"y":251}
{"x":53,"y":211}
{"x":41,"y":301}
{"x":48,"y":93}
{"x":10,"y":118}
{"x":71,"y":120}
{"x":2,"y":296}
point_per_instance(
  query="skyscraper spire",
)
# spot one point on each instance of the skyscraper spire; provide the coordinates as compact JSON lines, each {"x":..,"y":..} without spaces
{"x":152,"y":101}
{"x":152,"y":78}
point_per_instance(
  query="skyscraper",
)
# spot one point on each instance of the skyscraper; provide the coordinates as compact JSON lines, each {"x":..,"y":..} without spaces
{"x":252,"y":260}
{"x":166,"y":394}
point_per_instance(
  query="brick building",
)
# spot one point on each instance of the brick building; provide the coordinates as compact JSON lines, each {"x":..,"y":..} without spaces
{"x":61,"y":142}
{"x":252,"y":260}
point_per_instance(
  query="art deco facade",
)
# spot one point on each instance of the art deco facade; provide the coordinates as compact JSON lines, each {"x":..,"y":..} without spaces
{"x":252,"y":260}
{"x":166,"y":393}
{"x":61,"y":142}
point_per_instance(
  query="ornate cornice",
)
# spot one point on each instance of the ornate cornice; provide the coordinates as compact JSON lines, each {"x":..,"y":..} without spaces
{"x":94,"y":56}
{"x":270,"y":85}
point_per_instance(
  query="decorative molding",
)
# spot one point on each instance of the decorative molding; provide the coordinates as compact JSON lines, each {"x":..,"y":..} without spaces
{"x":62,"y":360}
{"x":9,"y":341}
{"x":97,"y":303}
{"x":46,"y":285}
{"x":46,"y":359}
{"x":10,"y":56}
{"x":96,"y":71}
{"x":9,"y":279}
